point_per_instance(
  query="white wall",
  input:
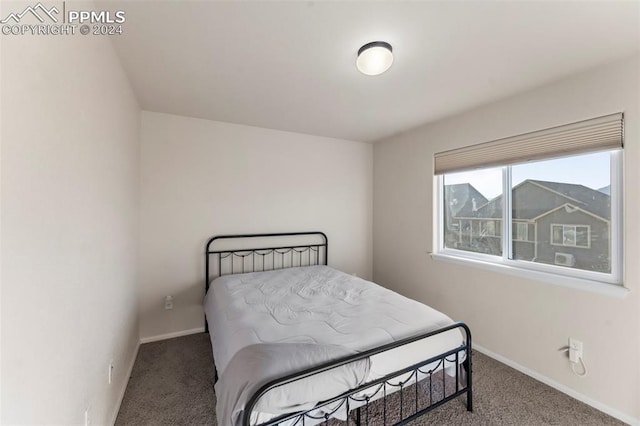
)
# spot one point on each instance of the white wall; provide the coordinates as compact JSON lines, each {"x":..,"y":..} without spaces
{"x":523,"y":320}
{"x":70,"y":173}
{"x":202,"y":178}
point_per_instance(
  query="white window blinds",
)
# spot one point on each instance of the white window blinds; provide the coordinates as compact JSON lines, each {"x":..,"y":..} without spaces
{"x":598,"y":134}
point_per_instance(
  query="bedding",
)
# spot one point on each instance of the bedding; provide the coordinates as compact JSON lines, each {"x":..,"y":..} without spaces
{"x":314,"y":307}
{"x":256,"y":365}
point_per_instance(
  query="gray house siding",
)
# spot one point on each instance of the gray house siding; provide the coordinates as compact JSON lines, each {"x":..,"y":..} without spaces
{"x":524,"y":250}
{"x":596,"y":257}
{"x":529,"y":201}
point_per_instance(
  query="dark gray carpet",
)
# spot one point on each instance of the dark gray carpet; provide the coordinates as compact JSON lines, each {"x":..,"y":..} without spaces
{"x":172,"y":384}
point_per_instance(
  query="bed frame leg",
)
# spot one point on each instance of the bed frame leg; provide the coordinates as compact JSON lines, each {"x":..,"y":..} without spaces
{"x":358,"y":416}
{"x":467,"y":368}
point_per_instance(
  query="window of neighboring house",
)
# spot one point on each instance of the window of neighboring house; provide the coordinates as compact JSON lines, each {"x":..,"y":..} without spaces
{"x":571,"y":235}
{"x":567,"y":208}
{"x":489,"y":228}
{"x":521,"y":231}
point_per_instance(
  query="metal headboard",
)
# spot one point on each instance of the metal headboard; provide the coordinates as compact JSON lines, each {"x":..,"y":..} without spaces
{"x":268,"y":256}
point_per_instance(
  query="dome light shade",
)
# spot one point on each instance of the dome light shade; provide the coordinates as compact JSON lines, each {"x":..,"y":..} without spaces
{"x":374,"y":58}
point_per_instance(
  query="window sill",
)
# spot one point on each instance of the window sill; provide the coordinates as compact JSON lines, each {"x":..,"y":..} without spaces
{"x":606,"y":289}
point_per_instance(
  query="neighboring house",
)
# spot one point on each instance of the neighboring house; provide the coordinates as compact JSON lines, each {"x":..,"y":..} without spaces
{"x":463,"y":199}
{"x":555,"y":223}
{"x":605,"y":189}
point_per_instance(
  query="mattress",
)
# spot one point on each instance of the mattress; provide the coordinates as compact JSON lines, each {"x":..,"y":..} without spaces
{"x":323,"y":306}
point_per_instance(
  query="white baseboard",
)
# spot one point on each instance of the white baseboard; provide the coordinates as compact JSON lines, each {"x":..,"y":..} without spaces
{"x":114,"y":416}
{"x":562,"y":388}
{"x":171,"y":335}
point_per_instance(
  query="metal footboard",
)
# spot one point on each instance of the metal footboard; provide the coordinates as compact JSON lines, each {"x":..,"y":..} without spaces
{"x":358,"y":401}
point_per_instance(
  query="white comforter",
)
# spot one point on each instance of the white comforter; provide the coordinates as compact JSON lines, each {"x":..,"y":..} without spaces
{"x":320,"y":305}
{"x":256,"y":365}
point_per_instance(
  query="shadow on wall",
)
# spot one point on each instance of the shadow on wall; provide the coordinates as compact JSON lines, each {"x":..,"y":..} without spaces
{"x":187,"y":301}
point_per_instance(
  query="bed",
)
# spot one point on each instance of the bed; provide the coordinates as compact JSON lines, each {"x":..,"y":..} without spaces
{"x":296,"y":342}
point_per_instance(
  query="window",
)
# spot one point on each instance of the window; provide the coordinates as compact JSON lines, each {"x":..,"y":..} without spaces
{"x":489,"y":228}
{"x":521,"y":230}
{"x":559,"y":213}
{"x":571,"y":235}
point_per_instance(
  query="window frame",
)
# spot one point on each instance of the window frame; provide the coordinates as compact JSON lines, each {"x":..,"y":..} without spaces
{"x":575,"y":226}
{"x":599,"y":282}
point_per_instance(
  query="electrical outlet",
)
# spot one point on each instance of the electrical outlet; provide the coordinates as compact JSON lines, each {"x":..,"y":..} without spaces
{"x":110,"y":371}
{"x":168,"y":302}
{"x":575,"y":350}
{"x":87,"y":417}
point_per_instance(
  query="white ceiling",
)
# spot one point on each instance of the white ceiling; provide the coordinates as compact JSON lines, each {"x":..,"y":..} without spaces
{"x":291,"y":65}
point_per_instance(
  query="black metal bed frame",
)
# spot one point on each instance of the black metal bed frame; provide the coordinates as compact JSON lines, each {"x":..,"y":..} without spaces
{"x":363,"y":396}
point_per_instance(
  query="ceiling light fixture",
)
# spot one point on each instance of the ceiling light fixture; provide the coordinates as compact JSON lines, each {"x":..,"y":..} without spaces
{"x":374,"y":58}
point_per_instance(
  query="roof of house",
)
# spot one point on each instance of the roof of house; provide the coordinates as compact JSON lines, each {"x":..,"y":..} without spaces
{"x":585,"y":198}
{"x":464,"y":199}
